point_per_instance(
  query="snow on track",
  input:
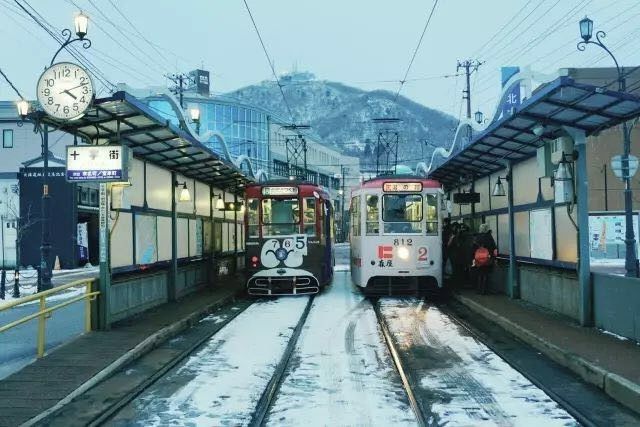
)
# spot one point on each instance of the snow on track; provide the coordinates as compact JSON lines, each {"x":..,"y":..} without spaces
{"x":221,"y":383}
{"x":341,"y":373}
{"x":469,"y":383}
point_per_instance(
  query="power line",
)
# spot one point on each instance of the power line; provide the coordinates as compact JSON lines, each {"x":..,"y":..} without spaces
{"x":415,"y":52}
{"x":135,"y":28}
{"x":73,"y":52}
{"x":129,"y":39}
{"x":11,"y":84}
{"x":264,"y":49}
{"x":502,"y":28}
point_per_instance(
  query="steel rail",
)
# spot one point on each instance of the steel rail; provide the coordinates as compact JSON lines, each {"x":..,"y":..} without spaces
{"x":574,"y":412}
{"x":270,"y":391}
{"x":117,"y":405}
{"x":395,"y":355}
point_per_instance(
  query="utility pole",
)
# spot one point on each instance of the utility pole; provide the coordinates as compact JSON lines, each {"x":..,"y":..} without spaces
{"x":179,"y":80}
{"x":342,"y":219}
{"x":469,"y":67}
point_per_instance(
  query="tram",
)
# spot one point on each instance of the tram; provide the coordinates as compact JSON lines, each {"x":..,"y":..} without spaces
{"x":395,"y":235}
{"x":288,"y":239}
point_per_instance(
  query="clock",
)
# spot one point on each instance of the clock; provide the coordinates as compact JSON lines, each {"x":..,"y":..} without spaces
{"x":65,"y":91}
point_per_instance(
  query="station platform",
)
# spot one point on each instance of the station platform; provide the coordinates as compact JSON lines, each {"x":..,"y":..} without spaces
{"x":80,"y":364}
{"x":607,"y":361}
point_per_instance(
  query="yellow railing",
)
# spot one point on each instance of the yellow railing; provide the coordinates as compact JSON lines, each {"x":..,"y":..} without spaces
{"x":45,"y":312}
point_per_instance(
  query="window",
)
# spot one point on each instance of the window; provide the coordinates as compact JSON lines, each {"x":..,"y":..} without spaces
{"x":310,"y":216}
{"x":280,"y":216}
{"x":431,"y":214}
{"x":355,"y":216}
{"x":373,"y":215}
{"x":252,"y":213}
{"x":7,"y":138}
{"x":402,"y":213}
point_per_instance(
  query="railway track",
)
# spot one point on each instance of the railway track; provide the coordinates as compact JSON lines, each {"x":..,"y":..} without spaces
{"x":397,"y":360}
{"x":271,"y":391}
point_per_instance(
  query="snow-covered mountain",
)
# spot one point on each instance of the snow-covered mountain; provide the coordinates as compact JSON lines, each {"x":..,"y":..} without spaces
{"x":342,"y":115}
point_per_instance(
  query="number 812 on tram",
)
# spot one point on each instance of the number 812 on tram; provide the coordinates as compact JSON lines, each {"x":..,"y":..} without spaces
{"x":395,"y":235}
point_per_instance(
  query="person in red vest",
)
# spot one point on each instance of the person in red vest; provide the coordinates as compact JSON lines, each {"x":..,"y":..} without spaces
{"x":484,"y":253}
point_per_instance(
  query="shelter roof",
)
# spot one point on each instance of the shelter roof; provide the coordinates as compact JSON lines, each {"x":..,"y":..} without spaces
{"x":123,"y":118}
{"x":562,"y":102}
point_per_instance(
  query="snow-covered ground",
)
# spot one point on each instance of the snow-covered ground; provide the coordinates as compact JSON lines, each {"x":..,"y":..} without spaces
{"x":222,"y":382}
{"x":470,"y":384}
{"x":341,"y":373}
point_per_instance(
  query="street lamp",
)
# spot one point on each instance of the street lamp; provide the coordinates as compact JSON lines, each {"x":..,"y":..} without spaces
{"x":631,"y":261}
{"x":23,"y":108}
{"x":81,"y":24}
{"x":479,"y":117}
{"x":194,"y":113}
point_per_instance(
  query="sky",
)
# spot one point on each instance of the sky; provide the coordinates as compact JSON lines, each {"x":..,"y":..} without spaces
{"x":364,"y":43}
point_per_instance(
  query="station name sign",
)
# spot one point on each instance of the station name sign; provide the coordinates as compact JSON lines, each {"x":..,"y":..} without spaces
{"x":397,"y":187}
{"x":279,"y":191}
{"x":97,"y":163}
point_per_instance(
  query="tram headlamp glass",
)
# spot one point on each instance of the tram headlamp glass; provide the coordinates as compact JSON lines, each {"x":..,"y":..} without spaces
{"x":403,"y":252}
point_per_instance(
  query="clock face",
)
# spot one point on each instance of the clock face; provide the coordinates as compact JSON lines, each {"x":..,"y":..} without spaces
{"x":65,"y":91}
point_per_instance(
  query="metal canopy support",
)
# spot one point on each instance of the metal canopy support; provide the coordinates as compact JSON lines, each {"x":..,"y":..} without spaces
{"x":582,"y":190}
{"x":514,"y":285}
{"x":104,"y":298}
{"x":173,"y":270}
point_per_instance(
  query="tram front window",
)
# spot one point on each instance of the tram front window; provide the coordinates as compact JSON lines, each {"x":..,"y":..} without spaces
{"x":402,"y":213}
{"x":280,"y":216}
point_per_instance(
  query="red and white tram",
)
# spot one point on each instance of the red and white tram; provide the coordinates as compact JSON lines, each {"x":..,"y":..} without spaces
{"x":395,"y":234}
{"x":289,"y":238}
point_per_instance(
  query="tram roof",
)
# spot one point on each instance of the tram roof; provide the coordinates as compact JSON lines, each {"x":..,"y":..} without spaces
{"x":125,"y":119}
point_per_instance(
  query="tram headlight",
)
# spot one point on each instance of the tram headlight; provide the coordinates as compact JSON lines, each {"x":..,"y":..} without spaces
{"x":403,"y":253}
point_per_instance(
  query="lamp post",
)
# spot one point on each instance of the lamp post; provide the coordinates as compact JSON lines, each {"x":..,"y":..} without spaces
{"x":479,"y":117}
{"x":81,"y":24}
{"x":195,"y":117}
{"x":631,"y":262}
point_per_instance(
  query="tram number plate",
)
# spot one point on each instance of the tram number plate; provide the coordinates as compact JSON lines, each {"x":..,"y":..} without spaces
{"x":296,"y":244}
{"x":403,"y":242}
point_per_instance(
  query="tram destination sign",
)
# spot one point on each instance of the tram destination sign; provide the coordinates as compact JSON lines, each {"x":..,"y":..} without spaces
{"x":97,"y":163}
{"x":396,"y":187}
{"x":280,"y":191}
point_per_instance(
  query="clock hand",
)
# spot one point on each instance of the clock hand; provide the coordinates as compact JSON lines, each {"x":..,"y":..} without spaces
{"x":69,"y":93}
{"x":76,"y":87}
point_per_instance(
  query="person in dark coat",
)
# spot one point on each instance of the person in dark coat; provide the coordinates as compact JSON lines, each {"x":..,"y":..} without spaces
{"x":481,"y":263}
{"x":447,"y":231}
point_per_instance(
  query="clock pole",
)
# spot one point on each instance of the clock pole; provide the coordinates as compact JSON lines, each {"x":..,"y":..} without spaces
{"x":45,"y":246}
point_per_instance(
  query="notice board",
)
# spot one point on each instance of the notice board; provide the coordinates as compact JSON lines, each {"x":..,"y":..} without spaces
{"x":540,"y":237}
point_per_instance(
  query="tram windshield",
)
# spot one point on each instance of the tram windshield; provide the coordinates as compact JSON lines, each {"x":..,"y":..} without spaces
{"x":280,"y":216}
{"x":402,"y":213}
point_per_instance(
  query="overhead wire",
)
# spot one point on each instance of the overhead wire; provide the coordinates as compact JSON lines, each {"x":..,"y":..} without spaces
{"x":131,"y":41}
{"x":142,"y":36}
{"x":415,"y":52}
{"x":478,"y":52}
{"x":266,"y":54}
{"x":52,"y":31}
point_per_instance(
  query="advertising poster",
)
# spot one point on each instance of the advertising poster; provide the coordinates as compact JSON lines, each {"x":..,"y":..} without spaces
{"x":607,"y":234}
{"x":83,"y":242}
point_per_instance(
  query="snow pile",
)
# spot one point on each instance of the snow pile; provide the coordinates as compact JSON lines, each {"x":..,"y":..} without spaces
{"x":341,"y":373}
{"x":222,"y":382}
{"x":471,"y":385}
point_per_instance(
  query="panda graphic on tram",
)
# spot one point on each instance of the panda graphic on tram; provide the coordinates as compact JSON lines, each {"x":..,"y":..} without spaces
{"x":288,"y":238}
